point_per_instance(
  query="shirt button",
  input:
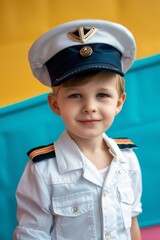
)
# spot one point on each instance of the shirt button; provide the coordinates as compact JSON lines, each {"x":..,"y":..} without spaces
{"x":74,"y":209}
{"x":119,"y":171}
{"x":105,"y":193}
{"x":108,"y":235}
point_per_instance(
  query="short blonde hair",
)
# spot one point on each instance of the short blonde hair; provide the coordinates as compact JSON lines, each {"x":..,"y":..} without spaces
{"x":120,"y":85}
{"x":84,"y":78}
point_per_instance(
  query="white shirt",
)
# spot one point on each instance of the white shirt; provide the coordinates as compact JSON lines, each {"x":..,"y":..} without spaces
{"x":104,"y":172}
{"x":66,"y":198}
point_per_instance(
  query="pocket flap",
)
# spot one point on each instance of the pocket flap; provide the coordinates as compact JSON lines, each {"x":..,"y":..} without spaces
{"x":126,"y":195}
{"x":73,"y":205}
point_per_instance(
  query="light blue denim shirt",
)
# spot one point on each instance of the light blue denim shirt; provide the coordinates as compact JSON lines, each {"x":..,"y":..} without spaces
{"x":66,"y":198}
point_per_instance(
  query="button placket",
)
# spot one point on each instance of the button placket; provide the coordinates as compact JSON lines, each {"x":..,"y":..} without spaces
{"x":108,"y":195}
{"x":106,"y":199}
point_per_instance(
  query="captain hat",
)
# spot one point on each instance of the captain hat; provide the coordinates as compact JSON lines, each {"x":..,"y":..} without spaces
{"x":81,"y":46}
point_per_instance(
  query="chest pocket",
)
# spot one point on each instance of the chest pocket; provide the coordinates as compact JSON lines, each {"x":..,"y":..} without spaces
{"x":74,"y":216}
{"x":126,"y":201}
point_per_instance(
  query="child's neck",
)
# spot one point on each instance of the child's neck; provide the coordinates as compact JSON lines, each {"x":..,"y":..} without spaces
{"x":96,"y":150}
{"x":99,"y":156}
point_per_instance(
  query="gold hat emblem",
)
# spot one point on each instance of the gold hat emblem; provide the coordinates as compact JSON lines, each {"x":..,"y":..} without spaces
{"x":82,"y":34}
{"x":86,"y":51}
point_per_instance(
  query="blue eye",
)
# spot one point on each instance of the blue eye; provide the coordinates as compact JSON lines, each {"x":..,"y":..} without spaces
{"x":75,"y":95}
{"x":102,"y":95}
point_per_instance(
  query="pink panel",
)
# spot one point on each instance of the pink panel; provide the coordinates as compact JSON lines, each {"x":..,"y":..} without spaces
{"x":151,"y":233}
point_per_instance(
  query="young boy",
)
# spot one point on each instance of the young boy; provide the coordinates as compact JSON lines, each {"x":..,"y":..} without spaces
{"x":84,"y":187}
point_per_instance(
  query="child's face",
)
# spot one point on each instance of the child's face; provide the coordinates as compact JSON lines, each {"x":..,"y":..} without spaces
{"x":88,"y":110}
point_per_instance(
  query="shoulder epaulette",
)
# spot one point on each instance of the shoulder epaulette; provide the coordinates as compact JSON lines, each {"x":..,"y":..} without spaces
{"x":124,"y":143}
{"x":41,"y":153}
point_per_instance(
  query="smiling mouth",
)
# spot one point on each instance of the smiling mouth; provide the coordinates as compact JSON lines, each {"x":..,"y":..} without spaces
{"x":89,"y":122}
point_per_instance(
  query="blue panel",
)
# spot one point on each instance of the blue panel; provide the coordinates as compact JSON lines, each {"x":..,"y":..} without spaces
{"x":31,"y":123}
{"x":140,"y":121}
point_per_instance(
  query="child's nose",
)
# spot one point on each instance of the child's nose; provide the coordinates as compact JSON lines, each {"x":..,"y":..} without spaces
{"x":89,"y":107}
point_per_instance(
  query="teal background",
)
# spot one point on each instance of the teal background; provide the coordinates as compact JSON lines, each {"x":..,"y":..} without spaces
{"x":31,"y":123}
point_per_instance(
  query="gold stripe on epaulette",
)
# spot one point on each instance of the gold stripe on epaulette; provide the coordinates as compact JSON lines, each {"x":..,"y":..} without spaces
{"x":123,"y":141}
{"x":41,"y":151}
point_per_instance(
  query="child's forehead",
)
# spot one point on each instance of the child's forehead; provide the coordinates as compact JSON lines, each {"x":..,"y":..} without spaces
{"x":100,"y":80}
{"x":81,"y":46}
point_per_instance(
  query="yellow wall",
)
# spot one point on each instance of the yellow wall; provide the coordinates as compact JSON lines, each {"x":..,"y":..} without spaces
{"x":22,"y":21}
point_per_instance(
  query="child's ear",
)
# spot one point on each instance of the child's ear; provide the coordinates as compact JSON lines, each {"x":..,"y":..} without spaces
{"x":120,"y":103}
{"x":53,"y":103}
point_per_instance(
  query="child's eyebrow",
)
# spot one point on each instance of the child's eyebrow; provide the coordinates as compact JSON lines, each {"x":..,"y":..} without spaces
{"x":104,"y":89}
{"x":71,"y":88}
{"x":74,"y":88}
{"x":78,"y":88}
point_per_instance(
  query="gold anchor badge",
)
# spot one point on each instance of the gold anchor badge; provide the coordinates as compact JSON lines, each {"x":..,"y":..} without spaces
{"x":82,"y":34}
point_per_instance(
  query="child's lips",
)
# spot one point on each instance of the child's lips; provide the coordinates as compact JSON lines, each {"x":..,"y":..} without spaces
{"x":89,"y":121}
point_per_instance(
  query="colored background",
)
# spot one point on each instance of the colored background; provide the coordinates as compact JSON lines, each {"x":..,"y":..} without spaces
{"x":22,"y":21}
{"x":29,"y":123}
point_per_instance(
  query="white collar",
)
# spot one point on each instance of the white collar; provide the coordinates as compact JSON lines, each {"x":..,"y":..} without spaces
{"x":115,"y":151}
{"x":69,"y":157}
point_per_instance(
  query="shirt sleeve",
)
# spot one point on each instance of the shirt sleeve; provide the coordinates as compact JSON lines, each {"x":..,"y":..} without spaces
{"x":34,"y":206}
{"x":136,"y":177}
